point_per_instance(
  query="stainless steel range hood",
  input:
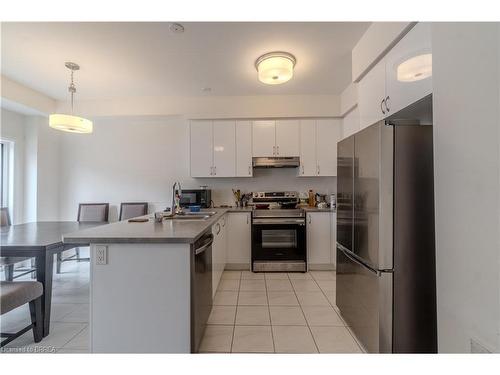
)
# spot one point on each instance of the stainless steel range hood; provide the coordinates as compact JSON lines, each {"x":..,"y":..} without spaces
{"x":276,"y":162}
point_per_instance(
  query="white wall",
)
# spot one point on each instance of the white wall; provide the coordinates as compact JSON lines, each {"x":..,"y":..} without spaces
{"x":12,"y":129}
{"x":138,"y":159}
{"x":466,"y":79}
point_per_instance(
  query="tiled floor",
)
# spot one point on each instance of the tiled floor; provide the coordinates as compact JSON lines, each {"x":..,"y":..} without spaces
{"x":277,"y":313}
{"x":252,"y":313}
{"x":69,"y":315}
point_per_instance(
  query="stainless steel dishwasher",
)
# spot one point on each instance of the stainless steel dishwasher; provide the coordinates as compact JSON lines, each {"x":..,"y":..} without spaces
{"x":201,"y":288}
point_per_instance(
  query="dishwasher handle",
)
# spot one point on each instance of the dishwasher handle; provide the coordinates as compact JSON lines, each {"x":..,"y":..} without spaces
{"x":205,"y":245}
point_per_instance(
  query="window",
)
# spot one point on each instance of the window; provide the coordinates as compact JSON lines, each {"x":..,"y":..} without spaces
{"x":5,"y":175}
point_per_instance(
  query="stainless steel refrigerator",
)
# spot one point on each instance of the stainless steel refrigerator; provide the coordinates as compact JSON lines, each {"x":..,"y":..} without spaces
{"x":385,"y":238}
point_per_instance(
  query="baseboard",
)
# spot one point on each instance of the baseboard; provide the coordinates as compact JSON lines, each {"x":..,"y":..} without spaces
{"x":246,"y":267}
{"x":321,"y":267}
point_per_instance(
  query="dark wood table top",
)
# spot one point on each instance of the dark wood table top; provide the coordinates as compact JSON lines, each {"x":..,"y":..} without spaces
{"x":43,"y":235}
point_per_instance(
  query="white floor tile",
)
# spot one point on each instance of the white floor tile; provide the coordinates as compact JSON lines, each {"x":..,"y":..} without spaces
{"x":217,"y":339}
{"x":80,"y":341}
{"x":287,"y":316}
{"x":80,"y":315}
{"x":231,"y":275}
{"x":252,"y":339}
{"x":229,"y":285}
{"x":322,"y":316}
{"x":222,"y":315}
{"x":252,"y":315}
{"x":283,"y":298}
{"x":249,"y":275}
{"x":257,"y":298}
{"x":293,"y":339}
{"x":226,"y":298}
{"x":252,"y":285}
{"x":323,"y":275}
{"x":276,"y":276}
{"x":334,"y":340}
{"x":305,"y":286}
{"x":312,"y":299}
{"x":300,"y":276}
{"x":278,"y":285}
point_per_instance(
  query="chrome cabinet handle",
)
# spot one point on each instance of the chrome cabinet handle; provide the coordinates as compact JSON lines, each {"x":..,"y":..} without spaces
{"x":218,"y":228}
{"x":211,"y":171}
{"x":277,"y":150}
{"x":215,"y":171}
{"x":309,"y":219}
{"x":387,"y":104}
{"x":302,"y":168}
{"x":318,"y":169}
{"x":223,"y":222}
{"x":381,"y":107}
{"x":249,"y":170}
{"x":247,"y":219}
{"x":274,"y":150}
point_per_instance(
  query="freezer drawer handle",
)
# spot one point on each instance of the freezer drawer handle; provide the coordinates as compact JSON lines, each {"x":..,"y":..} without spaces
{"x":341,"y":248}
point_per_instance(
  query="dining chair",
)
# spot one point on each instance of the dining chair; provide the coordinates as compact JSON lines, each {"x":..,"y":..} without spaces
{"x":87,"y":213}
{"x":129,"y":210}
{"x":7,"y":263}
{"x":14,"y":294}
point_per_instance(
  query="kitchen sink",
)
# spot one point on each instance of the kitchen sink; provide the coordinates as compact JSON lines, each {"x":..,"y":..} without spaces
{"x":190,"y":217}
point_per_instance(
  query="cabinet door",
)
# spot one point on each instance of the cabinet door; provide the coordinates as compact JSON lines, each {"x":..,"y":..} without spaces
{"x":201,"y":158}
{"x":224,"y":149}
{"x":409,"y":68}
{"x":244,"y":149}
{"x":239,"y":239}
{"x":308,"y":166}
{"x":371,"y":93}
{"x":328,"y":133}
{"x":263,"y":138}
{"x":287,"y":138}
{"x":350,"y":123}
{"x":318,"y":238}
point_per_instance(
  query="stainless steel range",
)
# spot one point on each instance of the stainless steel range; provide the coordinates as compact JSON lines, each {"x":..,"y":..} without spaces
{"x":278,"y":233}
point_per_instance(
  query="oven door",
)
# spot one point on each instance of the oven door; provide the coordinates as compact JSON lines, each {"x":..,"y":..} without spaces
{"x":278,"y":239}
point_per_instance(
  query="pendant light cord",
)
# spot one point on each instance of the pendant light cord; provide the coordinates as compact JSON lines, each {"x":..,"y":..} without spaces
{"x":72,"y":90}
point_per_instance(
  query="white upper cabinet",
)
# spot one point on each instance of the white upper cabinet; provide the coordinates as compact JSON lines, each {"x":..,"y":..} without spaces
{"x":308,"y":164}
{"x":224,"y":149}
{"x":401,"y":78}
{"x":244,"y":149}
{"x":287,"y":138}
{"x":328,"y":133}
{"x":201,"y":139}
{"x":371,"y":96}
{"x":408,"y":68}
{"x":264,"y":136}
{"x":318,"y":147}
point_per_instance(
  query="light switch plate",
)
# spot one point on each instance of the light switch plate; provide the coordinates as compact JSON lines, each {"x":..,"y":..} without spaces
{"x":101,"y":255}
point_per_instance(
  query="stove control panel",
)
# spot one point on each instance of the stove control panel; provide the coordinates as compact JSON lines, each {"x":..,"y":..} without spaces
{"x":276,"y":194}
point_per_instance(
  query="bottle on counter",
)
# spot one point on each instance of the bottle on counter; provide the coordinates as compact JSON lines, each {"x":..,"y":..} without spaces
{"x":312,"y":199}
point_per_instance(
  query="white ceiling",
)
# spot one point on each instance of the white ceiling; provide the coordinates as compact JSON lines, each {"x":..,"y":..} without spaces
{"x":146,"y":59}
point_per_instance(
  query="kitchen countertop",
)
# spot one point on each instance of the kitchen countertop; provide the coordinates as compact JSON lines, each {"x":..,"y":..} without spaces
{"x":168,"y":231}
{"x":316,"y":209}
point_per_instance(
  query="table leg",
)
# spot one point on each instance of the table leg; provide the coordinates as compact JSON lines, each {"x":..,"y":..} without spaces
{"x":44,"y":269}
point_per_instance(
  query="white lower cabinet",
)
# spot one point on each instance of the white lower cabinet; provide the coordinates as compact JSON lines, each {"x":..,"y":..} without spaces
{"x":219,"y":248}
{"x":239,"y":241}
{"x":319,"y":250}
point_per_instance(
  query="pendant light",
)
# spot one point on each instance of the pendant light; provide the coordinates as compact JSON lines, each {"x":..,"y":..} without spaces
{"x":275,"y":68}
{"x":70,"y":123}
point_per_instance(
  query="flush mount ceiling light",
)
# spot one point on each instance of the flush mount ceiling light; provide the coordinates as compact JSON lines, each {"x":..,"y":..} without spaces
{"x":415,"y":68}
{"x":176,"y":28}
{"x":70,"y":123}
{"x":275,"y":67}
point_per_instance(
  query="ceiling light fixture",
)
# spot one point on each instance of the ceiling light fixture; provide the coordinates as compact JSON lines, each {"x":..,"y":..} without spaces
{"x":275,"y":68}
{"x":415,"y":68}
{"x":70,"y":123}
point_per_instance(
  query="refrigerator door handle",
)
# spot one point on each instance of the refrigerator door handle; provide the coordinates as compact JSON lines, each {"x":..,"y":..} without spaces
{"x":348,"y":255}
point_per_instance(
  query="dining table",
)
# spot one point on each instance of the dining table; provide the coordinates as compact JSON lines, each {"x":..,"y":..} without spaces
{"x":41,"y":240}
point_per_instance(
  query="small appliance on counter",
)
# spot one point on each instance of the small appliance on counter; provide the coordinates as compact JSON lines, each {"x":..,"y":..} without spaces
{"x":196,"y":197}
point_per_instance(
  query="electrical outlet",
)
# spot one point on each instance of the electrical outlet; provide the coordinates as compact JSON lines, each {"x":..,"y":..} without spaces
{"x":101,"y":255}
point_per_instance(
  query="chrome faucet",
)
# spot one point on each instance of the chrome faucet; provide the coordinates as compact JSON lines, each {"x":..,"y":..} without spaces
{"x":175,"y":208}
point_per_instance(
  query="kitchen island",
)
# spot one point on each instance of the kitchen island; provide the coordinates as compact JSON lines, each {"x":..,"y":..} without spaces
{"x":148,"y":293}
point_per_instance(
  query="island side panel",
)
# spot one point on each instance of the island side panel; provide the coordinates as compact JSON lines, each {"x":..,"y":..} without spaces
{"x":140,"y":299}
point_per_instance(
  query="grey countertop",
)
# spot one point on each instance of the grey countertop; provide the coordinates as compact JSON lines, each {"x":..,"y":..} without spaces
{"x":316,"y":209}
{"x":168,"y":231}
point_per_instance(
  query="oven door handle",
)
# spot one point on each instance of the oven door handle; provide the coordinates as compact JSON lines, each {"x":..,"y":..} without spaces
{"x":278,"y":221}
